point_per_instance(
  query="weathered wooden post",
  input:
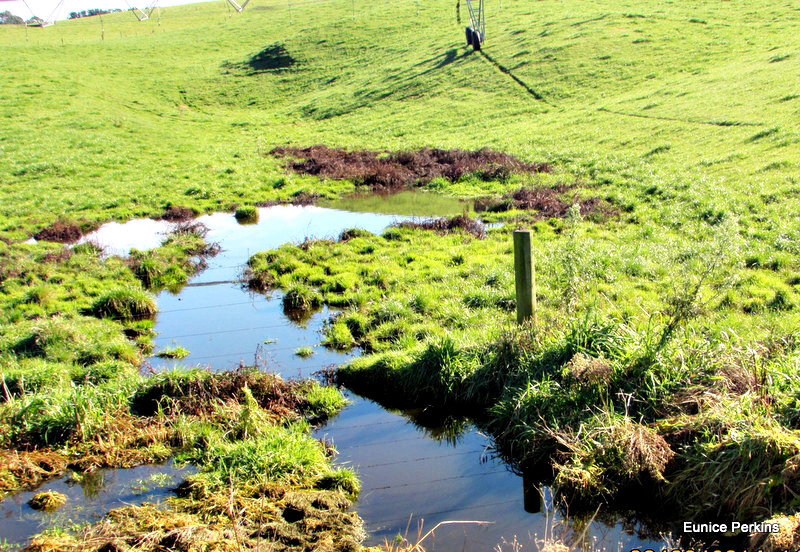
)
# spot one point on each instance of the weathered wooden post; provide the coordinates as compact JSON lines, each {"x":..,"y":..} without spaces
{"x":525,"y":275}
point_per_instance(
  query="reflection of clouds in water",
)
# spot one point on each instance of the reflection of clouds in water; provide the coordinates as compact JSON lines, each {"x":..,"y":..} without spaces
{"x":119,"y":238}
{"x":277,"y":225}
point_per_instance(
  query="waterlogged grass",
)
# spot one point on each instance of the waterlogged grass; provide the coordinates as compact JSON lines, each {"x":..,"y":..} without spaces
{"x":246,"y":431}
{"x":75,"y":327}
{"x":666,"y":326}
{"x":651,"y":364}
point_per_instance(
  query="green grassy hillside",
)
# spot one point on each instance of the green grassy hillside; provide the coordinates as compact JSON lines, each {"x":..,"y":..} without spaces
{"x":700,"y":102}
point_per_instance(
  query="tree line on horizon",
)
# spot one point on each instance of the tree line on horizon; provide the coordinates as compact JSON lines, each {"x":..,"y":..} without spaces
{"x":8,"y":18}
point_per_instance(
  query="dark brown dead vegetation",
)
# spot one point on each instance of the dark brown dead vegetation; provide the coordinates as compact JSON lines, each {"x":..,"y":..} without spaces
{"x":546,"y":202}
{"x":396,"y":170}
{"x":61,"y":231}
{"x":133,"y":438}
{"x":447,"y":225}
{"x":303,"y":198}
{"x":175,"y":213}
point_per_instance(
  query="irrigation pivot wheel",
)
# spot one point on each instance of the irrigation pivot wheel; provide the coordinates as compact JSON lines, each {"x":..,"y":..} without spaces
{"x":478,"y":24}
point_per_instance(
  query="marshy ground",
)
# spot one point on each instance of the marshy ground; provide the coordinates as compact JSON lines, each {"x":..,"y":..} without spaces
{"x":651,"y":148}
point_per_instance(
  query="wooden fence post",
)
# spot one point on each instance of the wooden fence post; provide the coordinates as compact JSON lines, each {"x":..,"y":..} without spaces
{"x":531,"y":499}
{"x":525,"y":276}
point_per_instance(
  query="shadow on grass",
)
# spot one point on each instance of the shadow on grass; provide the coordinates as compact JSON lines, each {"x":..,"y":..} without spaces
{"x":274,"y":57}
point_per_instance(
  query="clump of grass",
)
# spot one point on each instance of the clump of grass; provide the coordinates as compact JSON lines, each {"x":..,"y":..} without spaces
{"x":615,"y":453}
{"x":739,"y":452}
{"x":301,"y":298}
{"x":48,"y":501}
{"x":246,"y":215}
{"x":182,"y":254}
{"x":352,"y":233}
{"x":338,"y":336}
{"x":345,"y":481}
{"x":125,"y":304}
{"x":82,"y":341}
{"x":276,"y":453}
{"x":304,"y":352}
{"x":173,"y":352}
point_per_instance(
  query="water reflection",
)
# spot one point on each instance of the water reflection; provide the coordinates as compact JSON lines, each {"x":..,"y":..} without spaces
{"x":89,"y":497}
{"x":421,"y":464}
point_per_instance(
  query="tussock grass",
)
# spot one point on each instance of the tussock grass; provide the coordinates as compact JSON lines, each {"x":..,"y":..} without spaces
{"x":125,"y":304}
{"x":49,"y":501}
{"x":246,"y":215}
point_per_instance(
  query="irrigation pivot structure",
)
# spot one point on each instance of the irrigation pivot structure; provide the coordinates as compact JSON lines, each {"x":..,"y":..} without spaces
{"x":36,"y":21}
{"x":143,"y":14}
{"x":476,"y":32}
{"x":238,"y":7}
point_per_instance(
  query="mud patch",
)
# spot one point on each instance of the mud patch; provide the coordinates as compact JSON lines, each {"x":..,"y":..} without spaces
{"x":61,"y":231}
{"x":382,"y":171}
{"x":175,"y":213}
{"x":547,"y":202}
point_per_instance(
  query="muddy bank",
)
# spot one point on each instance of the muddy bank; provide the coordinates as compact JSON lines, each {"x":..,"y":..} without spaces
{"x":64,"y":231}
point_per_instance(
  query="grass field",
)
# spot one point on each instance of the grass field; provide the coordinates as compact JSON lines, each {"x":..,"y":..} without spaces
{"x":694,"y":105}
{"x":668,"y":322}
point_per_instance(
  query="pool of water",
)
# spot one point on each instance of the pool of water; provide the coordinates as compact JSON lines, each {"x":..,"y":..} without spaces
{"x":408,"y":472}
{"x":89,"y":497}
{"x":409,"y":202}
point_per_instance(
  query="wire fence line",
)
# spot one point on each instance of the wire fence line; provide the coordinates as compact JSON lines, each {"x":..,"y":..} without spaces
{"x":438,"y":480}
{"x":441,"y":512}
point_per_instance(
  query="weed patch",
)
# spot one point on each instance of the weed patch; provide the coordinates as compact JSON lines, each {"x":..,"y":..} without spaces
{"x":448,"y":225}
{"x":546,"y":202}
{"x":403,"y":169}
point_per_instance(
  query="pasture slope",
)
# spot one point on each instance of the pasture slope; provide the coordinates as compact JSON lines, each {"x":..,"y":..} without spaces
{"x":666,"y":354}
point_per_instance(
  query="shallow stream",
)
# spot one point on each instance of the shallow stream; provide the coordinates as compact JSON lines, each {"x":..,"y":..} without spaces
{"x":408,"y":473}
